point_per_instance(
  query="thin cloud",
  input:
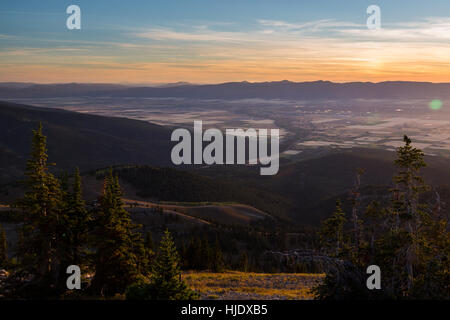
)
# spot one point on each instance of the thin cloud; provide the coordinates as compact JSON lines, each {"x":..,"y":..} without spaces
{"x":436,"y":29}
{"x":200,"y":34}
{"x":316,"y":25}
{"x":266,"y":50}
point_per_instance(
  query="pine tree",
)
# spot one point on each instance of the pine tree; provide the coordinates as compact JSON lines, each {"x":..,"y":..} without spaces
{"x":332,"y":231}
{"x":3,"y":247}
{"x":409,"y":184}
{"x":373,"y":229}
{"x":79,"y":219}
{"x":120,"y":257}
{"x":75,"y":226}
{"x":165,"y":283}
{"x":43,"y":208}
{"x":407,"y":210}
{"x":433,"y":281}
{"x":167,"y":265}
{"x":217,"y":259}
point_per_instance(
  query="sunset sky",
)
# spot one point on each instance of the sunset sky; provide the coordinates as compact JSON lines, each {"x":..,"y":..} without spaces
{"x":211,"y":41}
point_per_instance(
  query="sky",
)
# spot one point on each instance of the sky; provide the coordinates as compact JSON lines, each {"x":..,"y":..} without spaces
{"x":212,"y":41}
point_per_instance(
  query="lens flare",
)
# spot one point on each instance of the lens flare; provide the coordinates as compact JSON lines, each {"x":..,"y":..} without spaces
{"x":436,"y":104}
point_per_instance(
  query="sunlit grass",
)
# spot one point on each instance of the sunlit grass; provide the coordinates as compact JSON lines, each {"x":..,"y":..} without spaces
{"x":247,"y":285}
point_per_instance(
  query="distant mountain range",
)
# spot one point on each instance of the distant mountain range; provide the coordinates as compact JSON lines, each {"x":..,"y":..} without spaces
{"x":236,"y":90}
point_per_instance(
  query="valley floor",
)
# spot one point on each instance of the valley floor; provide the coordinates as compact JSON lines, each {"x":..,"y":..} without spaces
{"x":233,"y":285}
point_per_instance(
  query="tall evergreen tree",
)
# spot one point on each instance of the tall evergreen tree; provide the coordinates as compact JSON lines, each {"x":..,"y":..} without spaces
{"x":407,"y":210}
{"x":120,"y":257}
{"x":432,"y":276}
{"x":43,"y":208}
{"x":373,"y":228}
{"x":79,"y":219}
{"x":165,"y":283}
{"x":75,"y":227}
{"x":332,"y":231}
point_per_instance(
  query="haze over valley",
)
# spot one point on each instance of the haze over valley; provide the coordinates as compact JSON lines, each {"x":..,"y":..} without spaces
{"x":305,"y":124}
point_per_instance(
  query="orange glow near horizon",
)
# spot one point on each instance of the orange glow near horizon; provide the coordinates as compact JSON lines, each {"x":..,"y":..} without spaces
{"x":206,"y":56}
{"x":226,"y":72}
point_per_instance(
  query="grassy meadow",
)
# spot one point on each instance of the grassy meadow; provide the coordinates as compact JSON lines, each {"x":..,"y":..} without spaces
{"x":235,"y":285}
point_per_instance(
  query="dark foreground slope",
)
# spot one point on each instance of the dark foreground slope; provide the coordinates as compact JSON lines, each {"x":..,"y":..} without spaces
{"x":76,"y":139}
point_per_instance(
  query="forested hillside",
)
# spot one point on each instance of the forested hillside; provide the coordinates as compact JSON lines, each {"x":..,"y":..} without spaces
{"x":76,"y":139}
